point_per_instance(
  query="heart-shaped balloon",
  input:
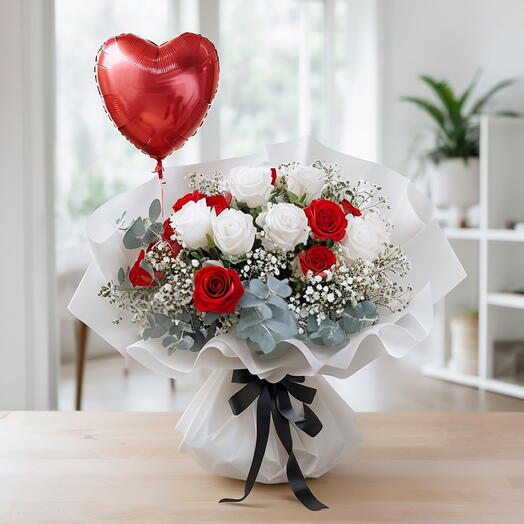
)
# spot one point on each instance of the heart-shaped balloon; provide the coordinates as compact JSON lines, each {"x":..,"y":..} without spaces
{"x":157,"y":96}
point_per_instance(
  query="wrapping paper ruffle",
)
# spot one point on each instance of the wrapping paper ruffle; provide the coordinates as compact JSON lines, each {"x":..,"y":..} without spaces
{"x":435,"y":271}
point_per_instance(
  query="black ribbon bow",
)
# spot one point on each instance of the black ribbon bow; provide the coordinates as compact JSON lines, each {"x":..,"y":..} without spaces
{"x":273,"y":401}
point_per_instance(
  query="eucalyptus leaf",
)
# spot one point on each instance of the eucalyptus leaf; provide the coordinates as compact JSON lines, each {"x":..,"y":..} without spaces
{"x":138,"y":227}
{"x":280,"y":287}
{"x":185,"y":343}
{"x":147,"y":266}
{"x":209,"y":318}
{"x":328,"y":333}
{"x":131,"y":241}
{"x":121,"y":276}
{"x":356,"y":318}
{"x":154,"y":210}
{"x":258,"y":288}
{"x":249,"y":300}
{"x":169,"y":341}
{"x":154,"y":332}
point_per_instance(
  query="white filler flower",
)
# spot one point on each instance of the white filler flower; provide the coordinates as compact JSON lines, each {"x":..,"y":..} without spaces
{"x":285,"y":226}
{"x":193,"y":223}
{"x":366,"y":236}
{"x":305,"y":179}
{"x":233,"y":232}
{"x":251,"y":185}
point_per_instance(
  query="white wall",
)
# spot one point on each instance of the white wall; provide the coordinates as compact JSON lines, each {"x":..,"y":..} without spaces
{"x":27,"y":366}
{"x":448,"y":39}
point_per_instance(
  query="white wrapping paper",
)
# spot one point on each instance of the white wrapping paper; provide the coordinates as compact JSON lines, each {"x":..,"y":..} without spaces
{"x":224,"y":443}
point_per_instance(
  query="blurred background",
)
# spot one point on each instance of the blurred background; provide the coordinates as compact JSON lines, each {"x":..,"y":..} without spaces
{"x":434,"y":90}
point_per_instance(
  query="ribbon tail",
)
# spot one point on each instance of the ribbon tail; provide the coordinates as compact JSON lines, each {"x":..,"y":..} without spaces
{"x":294,"y":473}
{"x":159,"y":170}
{"x":263,"y":423}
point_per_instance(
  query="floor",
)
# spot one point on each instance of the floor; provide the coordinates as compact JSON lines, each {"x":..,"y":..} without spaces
{"x":385,"y":385}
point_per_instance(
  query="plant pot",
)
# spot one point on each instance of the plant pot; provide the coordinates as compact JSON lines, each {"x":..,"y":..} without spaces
{"x":455,"y":184}
{"x":464,"y":344}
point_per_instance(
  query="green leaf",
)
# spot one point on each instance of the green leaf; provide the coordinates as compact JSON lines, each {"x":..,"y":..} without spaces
{"x":249,"y":300}
{"x":154,"y":210}
{"x":430,"y":108}
{"x":465,"y":95}
{"x":446,"y":95}
{"x":185,"y":343}
{"x":152,"y":234}
{"x":258,"y":288}
{"x":354,"y":319}
{"x":280,"y":287}
{"x":121,"y":275}
{"x":483,"y":100}
{"x":327,"y":333}
{"x":169,"y":341}
{"x":210,"y":318}
{"x":133,"y":236}
{"x":147,"y":266}
{"x":138,"y":227}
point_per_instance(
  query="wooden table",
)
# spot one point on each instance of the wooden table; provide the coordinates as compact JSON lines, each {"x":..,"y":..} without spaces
{"x":125,"y":467}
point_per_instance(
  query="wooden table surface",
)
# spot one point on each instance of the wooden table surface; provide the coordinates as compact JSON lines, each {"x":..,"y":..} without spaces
{"x":125,"y":467}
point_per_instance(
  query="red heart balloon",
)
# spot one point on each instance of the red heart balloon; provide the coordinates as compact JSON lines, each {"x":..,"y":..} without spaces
{"x":157,"y":96}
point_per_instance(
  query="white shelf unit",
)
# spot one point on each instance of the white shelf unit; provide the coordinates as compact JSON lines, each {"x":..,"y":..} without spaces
{"x":493,"y":257}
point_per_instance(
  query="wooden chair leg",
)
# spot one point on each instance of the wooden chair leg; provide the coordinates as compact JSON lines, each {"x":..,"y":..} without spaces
{"x":81,"y":331}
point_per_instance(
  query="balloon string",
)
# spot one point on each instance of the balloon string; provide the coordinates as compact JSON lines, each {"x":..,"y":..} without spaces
{"x":159,"y":170}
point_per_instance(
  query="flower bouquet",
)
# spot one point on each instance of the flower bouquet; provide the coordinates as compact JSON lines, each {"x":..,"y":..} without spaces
{"x":271,"y":271}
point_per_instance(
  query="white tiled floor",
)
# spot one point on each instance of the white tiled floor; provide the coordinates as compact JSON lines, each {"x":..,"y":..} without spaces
{"x":385,"y":385}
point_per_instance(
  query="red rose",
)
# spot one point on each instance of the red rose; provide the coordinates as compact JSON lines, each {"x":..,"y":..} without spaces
{"x":326,"y":219}
{"x":316,"y":259}
{"x":167,"y":230}
{"x":138,"y":276}
{"x":218,"y":202}
{"x":217,"y":289}
{"x":167,"y":233}
{"x":273,"y":176}
{"x":350,"y":209}
{"x":195,"y":196}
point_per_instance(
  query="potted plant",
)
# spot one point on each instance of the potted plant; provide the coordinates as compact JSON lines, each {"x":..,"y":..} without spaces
{"x":453,"y":159}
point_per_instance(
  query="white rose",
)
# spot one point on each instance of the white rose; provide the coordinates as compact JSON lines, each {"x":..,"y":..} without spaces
{"x":365,"y":236}
{"x":285,"y":226}
{"x":251,"y":185}
{"x":193,"y":223}
{"x":234,"y":232}
{"x":305,"y":179}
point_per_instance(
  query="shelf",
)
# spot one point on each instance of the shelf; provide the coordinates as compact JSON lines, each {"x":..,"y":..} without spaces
{"x":513,"y":300}
{"x":444,"y":373}
{"x":505,"y":235}
{"x":463,"y":233}
{"x":501,"y":235}
{"x":511,"y":388}
{"x":504,"y":387}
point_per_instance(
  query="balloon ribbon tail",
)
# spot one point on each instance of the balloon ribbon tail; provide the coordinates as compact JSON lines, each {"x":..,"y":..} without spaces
{"x":159,"y":170}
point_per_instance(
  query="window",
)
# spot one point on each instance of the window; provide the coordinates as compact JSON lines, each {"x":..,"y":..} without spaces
{"x":93,"y":160}
{"x":288,"y":68}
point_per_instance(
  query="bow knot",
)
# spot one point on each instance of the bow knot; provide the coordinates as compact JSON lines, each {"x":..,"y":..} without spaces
{"x":273,"y":402}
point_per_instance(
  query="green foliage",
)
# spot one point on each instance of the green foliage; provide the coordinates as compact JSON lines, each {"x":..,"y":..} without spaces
{"x":330,"y":332}
{"x":265,"y":319}
{"x":183,"y":333}
{"x":456,"y":129}
{"x":142,"y":232}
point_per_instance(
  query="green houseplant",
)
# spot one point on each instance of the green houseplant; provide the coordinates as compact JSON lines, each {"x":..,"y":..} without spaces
{"x":453,"y":158}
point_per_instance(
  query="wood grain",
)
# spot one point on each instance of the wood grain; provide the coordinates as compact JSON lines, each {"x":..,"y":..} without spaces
{"x":125,"y":467}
